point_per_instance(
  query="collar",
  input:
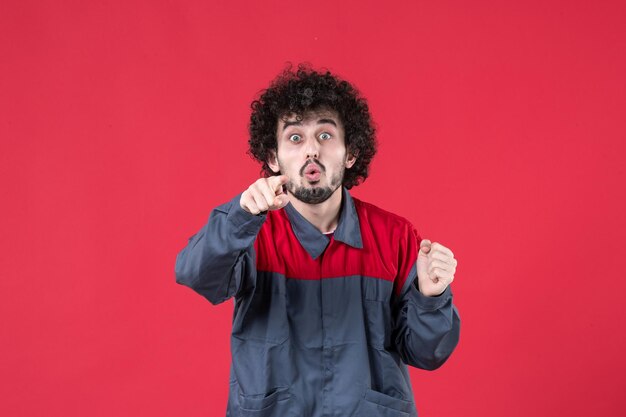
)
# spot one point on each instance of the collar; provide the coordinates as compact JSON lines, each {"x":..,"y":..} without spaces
{"x":348,"y":230}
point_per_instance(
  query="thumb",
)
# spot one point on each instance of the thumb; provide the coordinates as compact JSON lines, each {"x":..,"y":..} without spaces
{"x":424,"y":247}
{"x":281,"y":201}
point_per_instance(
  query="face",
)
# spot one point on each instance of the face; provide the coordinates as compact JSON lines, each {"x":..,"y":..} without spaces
{"x":312,"y":153}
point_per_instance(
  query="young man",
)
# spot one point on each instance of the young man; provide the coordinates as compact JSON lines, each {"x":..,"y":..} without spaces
{"x":333,"y":296}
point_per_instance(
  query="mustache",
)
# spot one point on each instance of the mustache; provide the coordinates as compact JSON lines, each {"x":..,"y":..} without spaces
{"x":309,"y":162}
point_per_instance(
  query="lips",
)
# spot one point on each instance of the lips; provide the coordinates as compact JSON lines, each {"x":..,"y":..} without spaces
{"x":313,"y":176}
{"x":312,"y":172}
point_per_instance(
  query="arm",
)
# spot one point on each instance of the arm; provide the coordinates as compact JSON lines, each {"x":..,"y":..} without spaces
{"x":425,"y":329}
{"x":218,"y":261}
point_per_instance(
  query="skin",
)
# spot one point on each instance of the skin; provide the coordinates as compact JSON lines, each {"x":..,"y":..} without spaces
{"x":318,"y":140}
{"x":436,"y":267}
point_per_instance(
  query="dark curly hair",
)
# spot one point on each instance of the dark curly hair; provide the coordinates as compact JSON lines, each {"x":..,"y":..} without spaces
{"x":297,"y":92}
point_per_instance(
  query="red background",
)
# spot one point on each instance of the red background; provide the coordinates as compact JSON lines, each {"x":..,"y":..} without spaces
{"x":122,"y":124}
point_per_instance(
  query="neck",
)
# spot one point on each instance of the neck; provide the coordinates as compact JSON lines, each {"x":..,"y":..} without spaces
{"x":324,"y":216}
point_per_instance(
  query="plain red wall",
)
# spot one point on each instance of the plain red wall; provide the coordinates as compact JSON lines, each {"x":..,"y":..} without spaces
{"x":122,"y":124}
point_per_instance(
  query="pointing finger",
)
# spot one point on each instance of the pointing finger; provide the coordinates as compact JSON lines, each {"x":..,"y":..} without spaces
{"x":276,"y":183}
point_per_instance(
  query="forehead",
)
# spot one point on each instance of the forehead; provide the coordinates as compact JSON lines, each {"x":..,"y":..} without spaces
{"x":310,"y":116}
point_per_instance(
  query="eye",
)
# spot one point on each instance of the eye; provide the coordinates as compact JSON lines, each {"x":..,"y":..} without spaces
{"x":325,"y":136}
{"x":294,"y":138}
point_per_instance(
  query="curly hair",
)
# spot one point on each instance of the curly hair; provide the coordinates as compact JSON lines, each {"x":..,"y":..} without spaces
{"x":303,"y":90}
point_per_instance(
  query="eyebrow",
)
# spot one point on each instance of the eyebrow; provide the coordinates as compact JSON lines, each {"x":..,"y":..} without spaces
{"x":319,"y":122}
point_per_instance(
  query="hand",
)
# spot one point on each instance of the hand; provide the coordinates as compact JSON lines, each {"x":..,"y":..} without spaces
{"x":435,"y":268}
{"x":265,"y":194}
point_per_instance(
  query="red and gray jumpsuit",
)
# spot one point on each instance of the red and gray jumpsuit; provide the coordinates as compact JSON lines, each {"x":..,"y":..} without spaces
{"x":323,"y":325}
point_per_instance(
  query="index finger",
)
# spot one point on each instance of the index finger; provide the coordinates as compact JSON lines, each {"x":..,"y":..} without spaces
{"x":276,"y":182}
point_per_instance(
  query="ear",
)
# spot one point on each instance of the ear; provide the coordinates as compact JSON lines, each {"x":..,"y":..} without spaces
{"x":272,"y":162}
{"x":351,"y":159}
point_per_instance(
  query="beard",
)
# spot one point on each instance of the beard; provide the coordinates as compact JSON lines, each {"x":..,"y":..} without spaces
{"x":315,"y":194}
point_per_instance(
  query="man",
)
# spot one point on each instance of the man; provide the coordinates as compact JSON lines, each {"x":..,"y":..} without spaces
{"x":333,"y":296}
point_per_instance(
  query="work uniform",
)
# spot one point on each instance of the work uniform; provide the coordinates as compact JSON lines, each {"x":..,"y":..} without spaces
{"x":323,"y":325}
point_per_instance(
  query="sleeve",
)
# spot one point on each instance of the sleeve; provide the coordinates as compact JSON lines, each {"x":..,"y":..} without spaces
{"x":219,"y":261}
{"x":425,"y":329}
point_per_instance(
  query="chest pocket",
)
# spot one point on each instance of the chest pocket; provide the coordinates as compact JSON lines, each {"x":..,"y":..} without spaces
{"x":262,"y":318}
{"x":376,"y":294}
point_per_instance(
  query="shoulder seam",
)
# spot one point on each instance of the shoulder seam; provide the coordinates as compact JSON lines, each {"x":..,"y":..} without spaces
{"x":384,"y":211}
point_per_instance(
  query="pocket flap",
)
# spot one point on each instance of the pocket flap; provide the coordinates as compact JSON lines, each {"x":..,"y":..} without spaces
{"x":261,"y":401}
{"x":388,"y":401}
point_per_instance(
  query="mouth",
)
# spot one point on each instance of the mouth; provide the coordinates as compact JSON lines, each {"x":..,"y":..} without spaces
{"x":313,"y":176}
{"x":312,"y":172}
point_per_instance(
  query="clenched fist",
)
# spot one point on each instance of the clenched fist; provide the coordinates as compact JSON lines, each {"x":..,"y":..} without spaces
{"x":265,"y":194}
{"x":436,"y":267}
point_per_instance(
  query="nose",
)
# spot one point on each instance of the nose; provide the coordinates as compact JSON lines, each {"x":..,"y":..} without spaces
{"x":312,"y":149}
